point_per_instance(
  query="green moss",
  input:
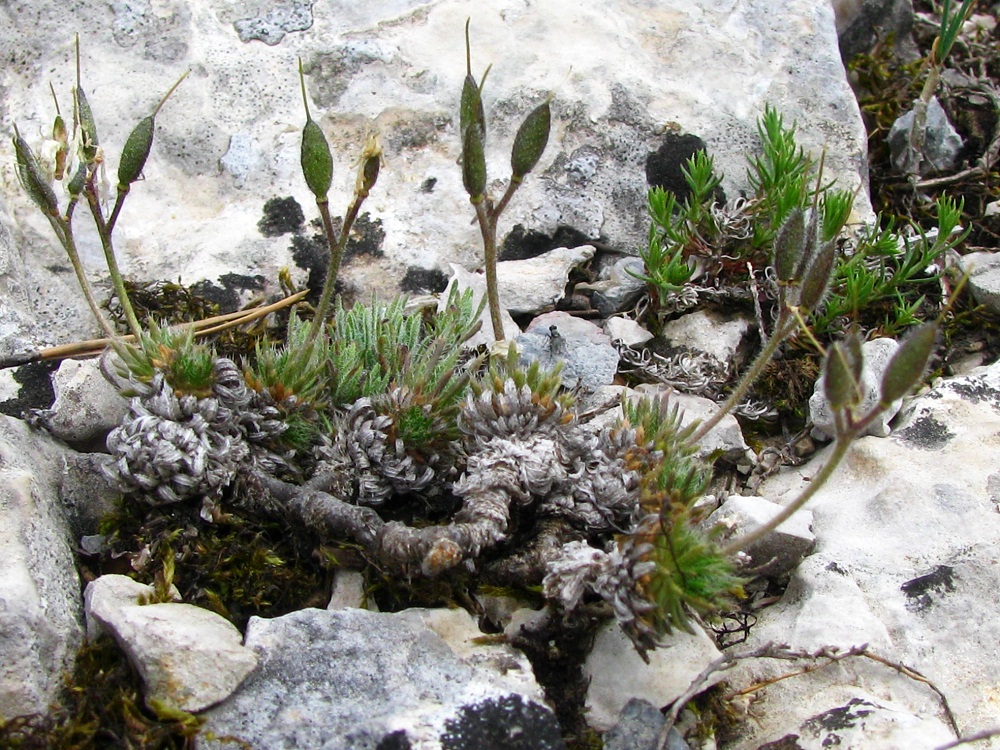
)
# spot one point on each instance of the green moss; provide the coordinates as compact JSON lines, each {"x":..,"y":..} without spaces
{"x":102,"y":707}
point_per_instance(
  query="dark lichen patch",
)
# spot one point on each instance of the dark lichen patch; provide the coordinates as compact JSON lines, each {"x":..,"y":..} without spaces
{"x":427,"y":186}
{"x":664,"y":167}
{"x":839,"y":719}
{"x":36,"y":389}
{"x":788,"y":742}
{"x":366,"y":237}
{"x":926,"y":433}
{"x":423,"y":281}
{"x":835,"y":567}
{"x":395,"y":741}
{"x":227,"y":294}
{"x":281,"y":216}
{"x":521,"y":244}
{"x":918,"y":591}
{"x":507,"y":723}
{"x":976,"y":391}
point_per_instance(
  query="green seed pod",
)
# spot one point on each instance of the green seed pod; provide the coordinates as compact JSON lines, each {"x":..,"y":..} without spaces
{"x":842,"y":373}
{"x":32,"y":176}
{"x":789,"y":245}
{"x":87,"y":124}
{"x":75,"y":186}
{"x":816,"y":278}
{"x":135,"y":153}
{"x":474,"y":162}
{"x":471,"y":106}
{"x":908,"y":364}
{"x":317,"y":162}
{"x":530,"y":141}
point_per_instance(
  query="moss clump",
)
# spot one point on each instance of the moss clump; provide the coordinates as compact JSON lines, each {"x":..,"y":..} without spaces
{"x":102,"y":707}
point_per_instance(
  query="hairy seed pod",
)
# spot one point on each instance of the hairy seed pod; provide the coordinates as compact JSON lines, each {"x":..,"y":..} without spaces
{"x":75,"y":186}
{"x":471,"y":107}
{"x":816,"y":277}
{"x":317,"y":162}
{"x":135,"y":153}
{"x":87,"y":124}
{"x":32,"y":177}
{"x":908,"y":364}
{"x":842,"y":373}
{"x":530,"y":141}
{"x":789,"y":245}
{"x":474,"y":162}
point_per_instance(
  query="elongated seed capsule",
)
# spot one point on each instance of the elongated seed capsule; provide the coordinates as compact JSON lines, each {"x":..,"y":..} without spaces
{"x":471,"y":106}
{"x":32,"y":177}
{"x":789,"y":245}
{"x":474,"y":162}
{"x":135,"y":152}
{"x":842,"y":373}
{"x":816,"y":278}
{"x":908,"y":364}
{"x":316,"y":160}
{"x":530,"y":141}
{"x":87,"y":124}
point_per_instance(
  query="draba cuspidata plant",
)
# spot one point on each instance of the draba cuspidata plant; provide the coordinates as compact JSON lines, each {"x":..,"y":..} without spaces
{"x":373,"y":426}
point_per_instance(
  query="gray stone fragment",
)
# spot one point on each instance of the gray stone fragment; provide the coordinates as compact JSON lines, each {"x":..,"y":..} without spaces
{"x":942,"y":143}
{"x":588,"y":358}
{"x":535,"y":285}
{"x":780,"y":551}
{"x":627,"y":331}
{"x":721,"y":337}
{"x":87,"y":406}
{"x":863,"y":23}
{"x":352,"y":679}
{"x":617,"y":289}
{"x":41,"y":623}
{"x":638,"y":728}
{"x":984,"y":277}
{"x":188,"y":657}
{"x":877,"y":354}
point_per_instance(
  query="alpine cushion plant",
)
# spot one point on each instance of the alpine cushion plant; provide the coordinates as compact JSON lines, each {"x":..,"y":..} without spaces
{"x":370,"y":426}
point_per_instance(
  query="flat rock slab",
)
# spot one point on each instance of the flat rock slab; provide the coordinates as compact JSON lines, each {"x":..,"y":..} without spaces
{"x":353,"y":680}
{"x":626,"y":78}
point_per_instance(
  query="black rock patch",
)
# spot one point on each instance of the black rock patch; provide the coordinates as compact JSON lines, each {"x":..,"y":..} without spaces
{"x":926,"y":433}
{"x":839,"y":719}
{"x":281,"y":216}
{"x":36,"y":390}
{"x":423,"y":281}
{"x":835,"y":567}
{"x":975,"y":391}
{"x":664,"y":167}
{"x":226,"y":294}
{"x":918,"y":591}
{"x":788,"y":742}
{"x":521,"y":244}
{"x":508,"y":723}
{"x":395,"y":741}
{"x":427,"y":186}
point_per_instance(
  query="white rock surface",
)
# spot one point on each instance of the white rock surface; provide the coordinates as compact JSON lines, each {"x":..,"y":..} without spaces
{"x":627,"y":331}
{"x":984,"y":278}
{"x":536,"y":284}
{"x":352,"y":678}
{"x":228,"y":140}
{"x":617,"y":673}
{"x":41,"y":623}
{"x":877,"y":354}
{"x":477,"y":283}
{"x":905,"y":561}
{"x":188,"y":657}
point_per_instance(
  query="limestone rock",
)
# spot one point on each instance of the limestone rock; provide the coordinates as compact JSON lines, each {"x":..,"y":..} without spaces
{"x":617,"y":289}
{"x":535,"y":285}
{"x":780,"y":551}
{"x":942,"y":143}
{"x":617,"y":673}
{"x":905,"y":561}
{"x":397,"y":66}
{"x":984,"y":278}
{"x":477,"y":283}
{"x":877,"y":354}
{"x":586,"y":354}
{"x":352,"y":678}
{"x":87,"y":406}
{"x":722,"y":338}
{"x":188,"y":657}
{"x":40,"y":615}
{"x":627,"y":331}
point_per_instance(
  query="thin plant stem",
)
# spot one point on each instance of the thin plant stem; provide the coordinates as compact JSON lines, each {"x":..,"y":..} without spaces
{"x":64,"y":231}
{"x":337,"y":246}
{"x":109,"y":255}
{"x":786,"y":324}
{"x":488,"y":228}
{"x":839,"y":451}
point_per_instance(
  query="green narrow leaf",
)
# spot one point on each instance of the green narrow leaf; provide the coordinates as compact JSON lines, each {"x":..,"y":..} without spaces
{"x":530,"y":141}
